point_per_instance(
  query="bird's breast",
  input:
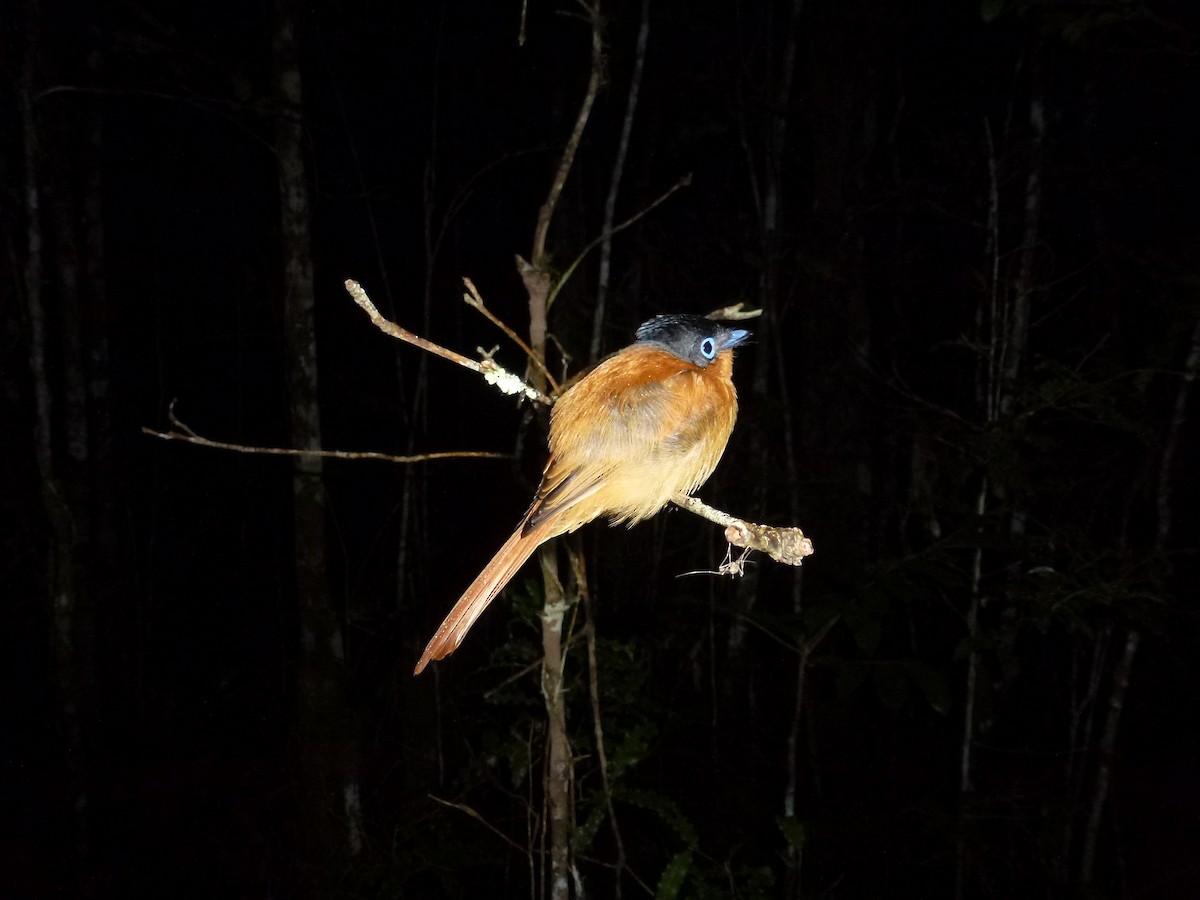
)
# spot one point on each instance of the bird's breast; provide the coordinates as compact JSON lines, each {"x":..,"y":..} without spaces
{"x":640,"y":428}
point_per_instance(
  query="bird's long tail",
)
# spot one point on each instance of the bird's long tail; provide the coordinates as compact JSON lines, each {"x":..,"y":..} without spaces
{"x":483,"y":590}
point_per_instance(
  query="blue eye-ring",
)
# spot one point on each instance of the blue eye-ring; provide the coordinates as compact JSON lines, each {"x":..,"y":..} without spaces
{"x":708,"y":348}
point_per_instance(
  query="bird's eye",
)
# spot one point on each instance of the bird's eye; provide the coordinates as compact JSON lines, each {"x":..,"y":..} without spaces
{"x":708,"y":348}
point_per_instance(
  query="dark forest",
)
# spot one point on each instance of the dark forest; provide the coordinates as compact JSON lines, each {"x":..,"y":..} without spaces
{"x":966,"y":234}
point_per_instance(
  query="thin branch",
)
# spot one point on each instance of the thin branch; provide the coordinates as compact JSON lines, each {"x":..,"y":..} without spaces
{"x":1107,"y":754}
{"x":185,"y":434}
{"x":614,"y":184}
{"x":1191,"y":366}
{"x":474,"y":814}
{"x":475,"y":300}
{"x":683,"y":182}
{"x":546,"y":213}
{"x":793,"y":743}
{"x":491,"y":371}
{"x":804,"y":649}
{"x":597,"y":726}
{"x":784,"y":544}
{"x":767,"y":632}
{"x":462,"y":807}
{"x":532,"y":667}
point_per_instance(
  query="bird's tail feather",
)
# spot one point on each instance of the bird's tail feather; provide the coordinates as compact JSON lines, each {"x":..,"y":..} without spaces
{"x":483,"y":590}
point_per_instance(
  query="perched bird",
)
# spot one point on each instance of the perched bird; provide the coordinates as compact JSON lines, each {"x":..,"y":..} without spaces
{"x":645,"y":424}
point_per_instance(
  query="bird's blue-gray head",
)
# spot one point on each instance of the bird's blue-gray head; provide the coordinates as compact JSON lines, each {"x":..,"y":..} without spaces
{"x":693,"y":338}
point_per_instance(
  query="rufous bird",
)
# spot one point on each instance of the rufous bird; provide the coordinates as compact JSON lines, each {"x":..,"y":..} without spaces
{"x":647,"y":423}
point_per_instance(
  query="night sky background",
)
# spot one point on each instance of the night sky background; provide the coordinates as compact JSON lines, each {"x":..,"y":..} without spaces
{"x":1027,"y":574}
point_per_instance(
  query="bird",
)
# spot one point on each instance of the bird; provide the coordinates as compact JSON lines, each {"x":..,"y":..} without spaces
{"x":648,"y":422}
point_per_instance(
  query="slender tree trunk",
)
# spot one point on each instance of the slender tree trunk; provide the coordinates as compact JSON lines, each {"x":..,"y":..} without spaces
{"x":1165,"y":494}
{"x":1003,"y":324}
{"x":1164,"y":507}
{"x":559,"y":767}
{"x":1107,"y":752}
{"x":535,"y":274}
{"x":1082,"y":720}
{"x":64,"y":563}
{"x":614,"y":184}
{"x":1016,"y":336}
{"x":558,"y":775}
{"x":331,"y":806}
{"x":967,"y":743}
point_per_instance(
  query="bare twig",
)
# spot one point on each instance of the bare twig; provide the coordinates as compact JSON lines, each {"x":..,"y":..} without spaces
{"x":546,"y":213}
{"x":793,"y":740}
{"x":491,"y":371}
{"x":524,"y":851}
{"x":474,"y":814}
{"x":185,"y":434}
{"x":475,"y":300}
{"x":595,"y":242}
{"x":564,"y":357}
{"x":614,"y":182}
{"x":784,"y":544}
{"x":1104,"y":767}
{"x":532,"y":667}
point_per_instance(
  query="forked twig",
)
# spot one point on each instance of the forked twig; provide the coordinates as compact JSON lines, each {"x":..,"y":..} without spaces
{"x":492,"y":372}
{"x":473,"y":299}
{"x":474,"y":814}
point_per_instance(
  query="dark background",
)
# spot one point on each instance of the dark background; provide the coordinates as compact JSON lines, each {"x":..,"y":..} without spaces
{"x":1020,"y":581}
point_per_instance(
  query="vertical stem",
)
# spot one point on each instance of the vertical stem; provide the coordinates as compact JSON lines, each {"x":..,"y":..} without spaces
{"x":546,"y":213}
{"x":968,"y":730}
{"x":1108,"y":742}
{"x":772,"y":199}
{"x":1120,"y":687}
{"x":535,"y":275}
{"x":614,"y":184}
{"x":987,"y":376}
{"x":1171,"y":444}
{"x":794,"y":884}
{"x":1017,"y":336}
{"x":597,"y":725}
{"x":558,"y":770}
{"x":1084,"y":714}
